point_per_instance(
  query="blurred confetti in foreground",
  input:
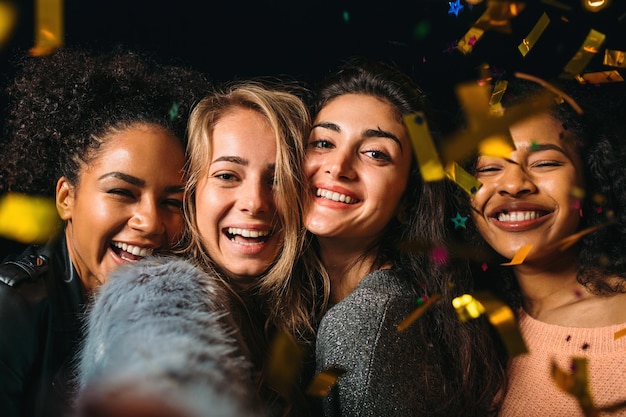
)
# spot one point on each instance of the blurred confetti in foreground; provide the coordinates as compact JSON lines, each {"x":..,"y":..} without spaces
{"x":49,"y":27}
{"x":28,"y":219}
{"x":8,"y":18}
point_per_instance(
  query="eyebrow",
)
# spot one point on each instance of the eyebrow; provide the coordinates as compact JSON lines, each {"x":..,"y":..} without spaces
{"x":138,"y":182}
{"x":239,"y":161}
{"x":369,"y":133}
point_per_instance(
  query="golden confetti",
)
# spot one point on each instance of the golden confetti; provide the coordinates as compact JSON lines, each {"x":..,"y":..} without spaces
{"x":499,"y":315}
{"x":519,"y":256}
{"x":285,"y":361}
{"x":49,"y":27}
{"x":498,"y":15}
{"x":424,"y":148}
{"x":495,"y":105}
{"x":529,"y":41}
{"x":568,"y":241}
{"x":28,"y":219}
{"x":324,"y":381}
{"x":619,"y":333}
{"x":8,"y":19}
{"x":614,"y":58}
{"x":587,"y":50}
{"x":463,"y":179}
{"x":576,"y":384}
{"x":417,"y":312}
{"x":462,"y":144}
{"x":599,"y":77}
{"x":472,"y":36}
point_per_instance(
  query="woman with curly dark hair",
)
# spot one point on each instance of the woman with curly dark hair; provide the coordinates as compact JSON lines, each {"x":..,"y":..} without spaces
{"x":561,"y":195}
{"x":105,"y":135}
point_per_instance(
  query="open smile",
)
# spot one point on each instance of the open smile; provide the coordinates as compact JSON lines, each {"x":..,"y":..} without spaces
{"x":249,"y":237}
{"x":130,"y":253}
{"x":334,"y":196}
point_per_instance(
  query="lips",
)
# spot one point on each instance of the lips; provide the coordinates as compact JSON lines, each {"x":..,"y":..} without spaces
{"x":248,"y":236}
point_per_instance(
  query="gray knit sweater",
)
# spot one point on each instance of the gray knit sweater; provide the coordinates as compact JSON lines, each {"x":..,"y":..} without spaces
{"x":359,"y":334}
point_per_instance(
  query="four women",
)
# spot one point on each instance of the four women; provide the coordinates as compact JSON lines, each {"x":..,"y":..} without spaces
{"x":375,"y":229}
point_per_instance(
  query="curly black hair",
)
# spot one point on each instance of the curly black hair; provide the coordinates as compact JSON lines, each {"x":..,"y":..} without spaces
{"x":597,"y":138}
{"x":61,"y":106}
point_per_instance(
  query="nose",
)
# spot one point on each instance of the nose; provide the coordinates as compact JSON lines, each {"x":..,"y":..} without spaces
{"x":340,"y":165}
{"x":516,"y":181}
{"x":148,"y":218}
{"x":255,"y":197}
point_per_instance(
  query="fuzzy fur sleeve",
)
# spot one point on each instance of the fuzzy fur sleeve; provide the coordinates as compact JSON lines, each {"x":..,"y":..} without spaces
{"x":158,"y":331}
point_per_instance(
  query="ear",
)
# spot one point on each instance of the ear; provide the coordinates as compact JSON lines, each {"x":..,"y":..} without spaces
{"x":64,"y":198}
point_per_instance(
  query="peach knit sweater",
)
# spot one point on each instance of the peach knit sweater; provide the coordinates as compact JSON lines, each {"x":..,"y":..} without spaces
{"x":533,"y":392}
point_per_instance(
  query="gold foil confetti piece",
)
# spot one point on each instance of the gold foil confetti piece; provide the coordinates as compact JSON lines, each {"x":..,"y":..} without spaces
{"x":619,"y":333}
{"x":519,"y":256}
{"x":495,"y":101}
{"x":284,"y":362}
{"x":463,"y":179}
{"x":595,"y":6}
{"x":474,"y":100}
{"x":499,"y":315}
{"x":533,"y":36}
{"x":8,"y":19}
{"x":599,"y":77}
{"x":499,"y":146}
{"x":587,"y":50}
{"x":424,"y":148}
{"x":415,"y":314}
{"x":28,"y":219}
{"x":614,"y":58}
{"x":576,"y":384}
{"x":49,"y":27}
{"x":498,"y":15}
{"x":568,"y":241}
{"x":460,"y":145}
{"x":324,"y":381}
{"x":466,"y":44}
{"x":598,"y":199}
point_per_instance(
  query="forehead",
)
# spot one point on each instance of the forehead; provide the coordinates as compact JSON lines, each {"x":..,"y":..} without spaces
{"x":244,"y":131}
{"x":539,"y":129}
{"x":353,"y":105}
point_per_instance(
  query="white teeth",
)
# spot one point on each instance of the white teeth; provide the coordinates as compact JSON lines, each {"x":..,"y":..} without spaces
{"x":247,"y":232}
{"x":135,"y":250}
{"x":330,"y":195}
{"x":516,"y":216}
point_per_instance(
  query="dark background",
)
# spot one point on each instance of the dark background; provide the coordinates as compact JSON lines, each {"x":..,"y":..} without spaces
{"x":306,"y":39}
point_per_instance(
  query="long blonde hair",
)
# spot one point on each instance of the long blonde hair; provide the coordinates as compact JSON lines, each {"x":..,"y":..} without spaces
{"x":287,"y":297}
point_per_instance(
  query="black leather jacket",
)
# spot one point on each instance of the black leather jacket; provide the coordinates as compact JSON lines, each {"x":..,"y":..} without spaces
{"x":41,"y":306}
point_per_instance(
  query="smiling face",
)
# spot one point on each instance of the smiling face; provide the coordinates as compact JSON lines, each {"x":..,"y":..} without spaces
{"x":357,"y":162}
{"x":235,"y":212}
{"x":126,"y":204}
{"x":529,"y":198}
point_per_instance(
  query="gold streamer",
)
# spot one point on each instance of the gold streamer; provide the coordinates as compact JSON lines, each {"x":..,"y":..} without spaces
{"x":587,"y":50}
{"x":529,"y":41}
{"x":463,"y":179}
{"x":8,"y":19}
{"x":614,"y":58}
{"x":285,"y":361}
{"x":472,"y":36}
{"x":599,"y":77}
{"x":424,"y":148}
{"x":576,"y":384}
{"x":519,"y":256}
{"x":417,"y":312}
{"x":49,"y":27}
{"x":324,"y":381}
{"x":499,"y":315}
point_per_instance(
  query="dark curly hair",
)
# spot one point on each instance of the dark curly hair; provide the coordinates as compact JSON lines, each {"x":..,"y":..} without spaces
{"x":61,"y":106}
{"x":595,"y":115}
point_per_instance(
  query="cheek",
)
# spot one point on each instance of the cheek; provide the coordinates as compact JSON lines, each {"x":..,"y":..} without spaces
{"x":310,"y":165}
